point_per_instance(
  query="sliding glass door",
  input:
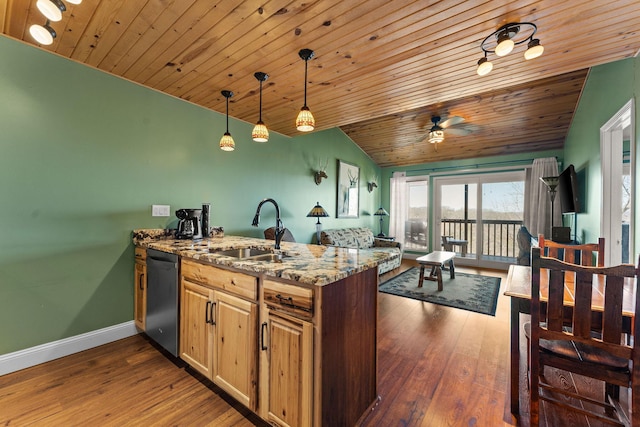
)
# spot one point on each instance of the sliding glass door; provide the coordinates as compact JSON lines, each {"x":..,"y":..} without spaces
{"x":483,"y":210}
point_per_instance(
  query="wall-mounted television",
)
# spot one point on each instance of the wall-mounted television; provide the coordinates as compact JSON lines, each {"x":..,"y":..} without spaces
{"x":568,"y":191}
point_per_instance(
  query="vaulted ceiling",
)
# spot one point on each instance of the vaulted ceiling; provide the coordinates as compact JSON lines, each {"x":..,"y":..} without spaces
{"x":381,"y":68}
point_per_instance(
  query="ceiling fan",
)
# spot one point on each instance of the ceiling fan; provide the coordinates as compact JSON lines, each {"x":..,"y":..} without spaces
{"x":437,"y":131}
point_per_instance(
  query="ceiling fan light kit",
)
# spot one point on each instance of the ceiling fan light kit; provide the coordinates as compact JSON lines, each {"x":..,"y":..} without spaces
{"x":502,"y":41}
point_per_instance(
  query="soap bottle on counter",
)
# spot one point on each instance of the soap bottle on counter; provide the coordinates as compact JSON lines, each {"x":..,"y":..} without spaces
{"x":206,"y":208}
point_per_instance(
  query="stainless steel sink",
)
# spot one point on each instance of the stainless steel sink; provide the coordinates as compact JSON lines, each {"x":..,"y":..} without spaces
{"x":268,"y":257}
{"x":241,"y":252}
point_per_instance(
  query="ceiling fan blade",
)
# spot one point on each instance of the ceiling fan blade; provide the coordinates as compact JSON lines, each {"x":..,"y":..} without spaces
{"x":458,"y":131}
{"x":454,"y":120}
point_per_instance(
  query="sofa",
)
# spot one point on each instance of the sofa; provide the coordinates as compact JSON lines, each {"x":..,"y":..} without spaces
{"x":363,"y":238}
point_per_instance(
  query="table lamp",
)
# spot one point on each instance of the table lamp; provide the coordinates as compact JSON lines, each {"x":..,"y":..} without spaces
{"x":381,"y":213}
{"x":317,"y":212}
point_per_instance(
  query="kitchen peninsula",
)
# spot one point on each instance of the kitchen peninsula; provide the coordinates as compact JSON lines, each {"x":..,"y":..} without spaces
{"x":291,"y":335}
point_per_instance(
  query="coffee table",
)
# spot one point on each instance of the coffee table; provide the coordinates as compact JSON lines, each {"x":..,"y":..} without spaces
{"x":436,"y":260}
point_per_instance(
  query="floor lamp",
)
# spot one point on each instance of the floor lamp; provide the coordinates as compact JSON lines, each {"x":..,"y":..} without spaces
{"x":552,"y":183}
{"x":317,"y":212}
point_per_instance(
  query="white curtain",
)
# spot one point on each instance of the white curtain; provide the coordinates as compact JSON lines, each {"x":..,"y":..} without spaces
{"x":398,"y":208}
{"x":537,"y":208}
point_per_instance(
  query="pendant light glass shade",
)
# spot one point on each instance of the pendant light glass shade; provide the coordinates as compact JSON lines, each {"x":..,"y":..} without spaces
{"x":534,"y":49}
{"x":260,"y":132}
{"x":305,"y":121}
{"x":43,"y":34}
{"x":484,"y":66}
{"x":505,"y":46}
{"x":74,"y":1}
{"x":226,"y":142}
{"x":436,"y":137}
{"x":51,"y":9}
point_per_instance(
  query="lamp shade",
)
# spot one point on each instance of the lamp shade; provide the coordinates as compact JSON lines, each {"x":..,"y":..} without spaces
{"x":43,"y":34}
{"x":51,"y":9}
{"x":381,"y":212}
{"x":260,"y":132}
{"x":550,"y":181}
{"x":305,"y":121}
{"x":534,"y":49}
{"x":484,"y":67}
{"x":436,"y":136}
{"x":317,"y":211}
{"x":227,"y":143}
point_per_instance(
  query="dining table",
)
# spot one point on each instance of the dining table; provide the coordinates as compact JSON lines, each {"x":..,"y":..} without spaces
{"x":518,"y":288}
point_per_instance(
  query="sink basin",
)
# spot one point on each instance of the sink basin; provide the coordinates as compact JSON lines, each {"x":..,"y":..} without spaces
{"x":268,"y":257}
{"x":251,"y":254}
{"x":242,"y":252}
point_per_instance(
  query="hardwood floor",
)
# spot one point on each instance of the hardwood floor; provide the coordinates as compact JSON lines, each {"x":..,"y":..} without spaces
{"x":437,"y":366}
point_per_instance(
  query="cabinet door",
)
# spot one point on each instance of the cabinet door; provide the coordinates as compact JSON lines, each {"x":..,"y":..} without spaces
{"x":290,"y":358}
{"x":140,"y":295}
{"x":196,"y":331}
{"x":235,"y":353}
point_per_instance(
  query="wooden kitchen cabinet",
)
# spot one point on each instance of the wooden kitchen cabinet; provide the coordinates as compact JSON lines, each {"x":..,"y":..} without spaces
{"x":140,"y":288}
{"x":287,"y":344}
{"x":196,"y":331}
{"x":218,"y":334}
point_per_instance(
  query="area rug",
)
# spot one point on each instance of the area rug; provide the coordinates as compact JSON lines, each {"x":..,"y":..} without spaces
{"x":467,"y":291}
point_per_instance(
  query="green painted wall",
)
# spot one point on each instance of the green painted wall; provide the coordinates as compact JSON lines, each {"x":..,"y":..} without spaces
{"x":86,"y":154}
{"x":607,"y":89}
{"x":457,"y":167}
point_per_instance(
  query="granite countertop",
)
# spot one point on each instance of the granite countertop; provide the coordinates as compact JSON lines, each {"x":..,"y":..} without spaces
{"x":308,"y":264}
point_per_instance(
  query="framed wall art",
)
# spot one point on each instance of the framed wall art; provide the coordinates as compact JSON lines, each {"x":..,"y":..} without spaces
{"x":348,"y":190}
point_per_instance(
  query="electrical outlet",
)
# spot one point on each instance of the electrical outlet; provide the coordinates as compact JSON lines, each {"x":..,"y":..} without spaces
{"x":160,"y":210}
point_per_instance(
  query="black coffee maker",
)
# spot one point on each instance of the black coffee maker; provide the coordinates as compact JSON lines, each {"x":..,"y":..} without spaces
{"x":189,"y":225}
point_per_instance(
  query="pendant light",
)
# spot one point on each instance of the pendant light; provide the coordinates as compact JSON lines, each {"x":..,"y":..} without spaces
{"x":260,"y":132}
{"x":226,"y":142}
{"x":305,"y":121}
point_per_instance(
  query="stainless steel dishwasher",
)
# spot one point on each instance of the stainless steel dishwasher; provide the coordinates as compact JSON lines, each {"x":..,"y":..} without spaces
{"x":162,"y":299}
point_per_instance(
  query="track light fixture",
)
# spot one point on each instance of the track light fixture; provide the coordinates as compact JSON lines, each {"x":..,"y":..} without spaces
{"x":504,"y":39}
{"x":226,"y":142}
{"x":43,"y":34}
{"x":305,"y":121}
{"x":260,"y":132}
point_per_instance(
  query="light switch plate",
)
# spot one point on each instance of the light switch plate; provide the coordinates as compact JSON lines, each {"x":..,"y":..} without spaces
{"x":160,"y":210}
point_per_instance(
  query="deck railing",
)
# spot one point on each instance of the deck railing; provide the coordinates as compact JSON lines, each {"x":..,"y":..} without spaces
{"x":499,"y":236}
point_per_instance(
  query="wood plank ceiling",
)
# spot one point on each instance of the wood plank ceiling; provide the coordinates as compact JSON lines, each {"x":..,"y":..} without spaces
{"x":381,"y":68}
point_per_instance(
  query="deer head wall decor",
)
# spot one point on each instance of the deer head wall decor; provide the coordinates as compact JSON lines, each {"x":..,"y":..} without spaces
{"x":321,"y":173}
{"x":371,"y":186}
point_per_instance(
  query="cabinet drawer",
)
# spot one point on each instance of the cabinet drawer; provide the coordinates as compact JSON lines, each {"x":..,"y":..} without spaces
{"x":289,"y":298}
{"x":237,"y":283}
{"x":141,"y":254}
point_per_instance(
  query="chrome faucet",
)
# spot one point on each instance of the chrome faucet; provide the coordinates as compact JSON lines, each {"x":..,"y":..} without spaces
{"x":279,"y":231}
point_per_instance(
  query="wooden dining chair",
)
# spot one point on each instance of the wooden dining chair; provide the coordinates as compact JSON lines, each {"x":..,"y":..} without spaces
{"x":565,"y":339}
{"x":583,"y":254}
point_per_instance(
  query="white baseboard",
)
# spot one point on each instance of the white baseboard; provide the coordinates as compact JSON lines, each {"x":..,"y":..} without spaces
{"x":26,"y":358}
